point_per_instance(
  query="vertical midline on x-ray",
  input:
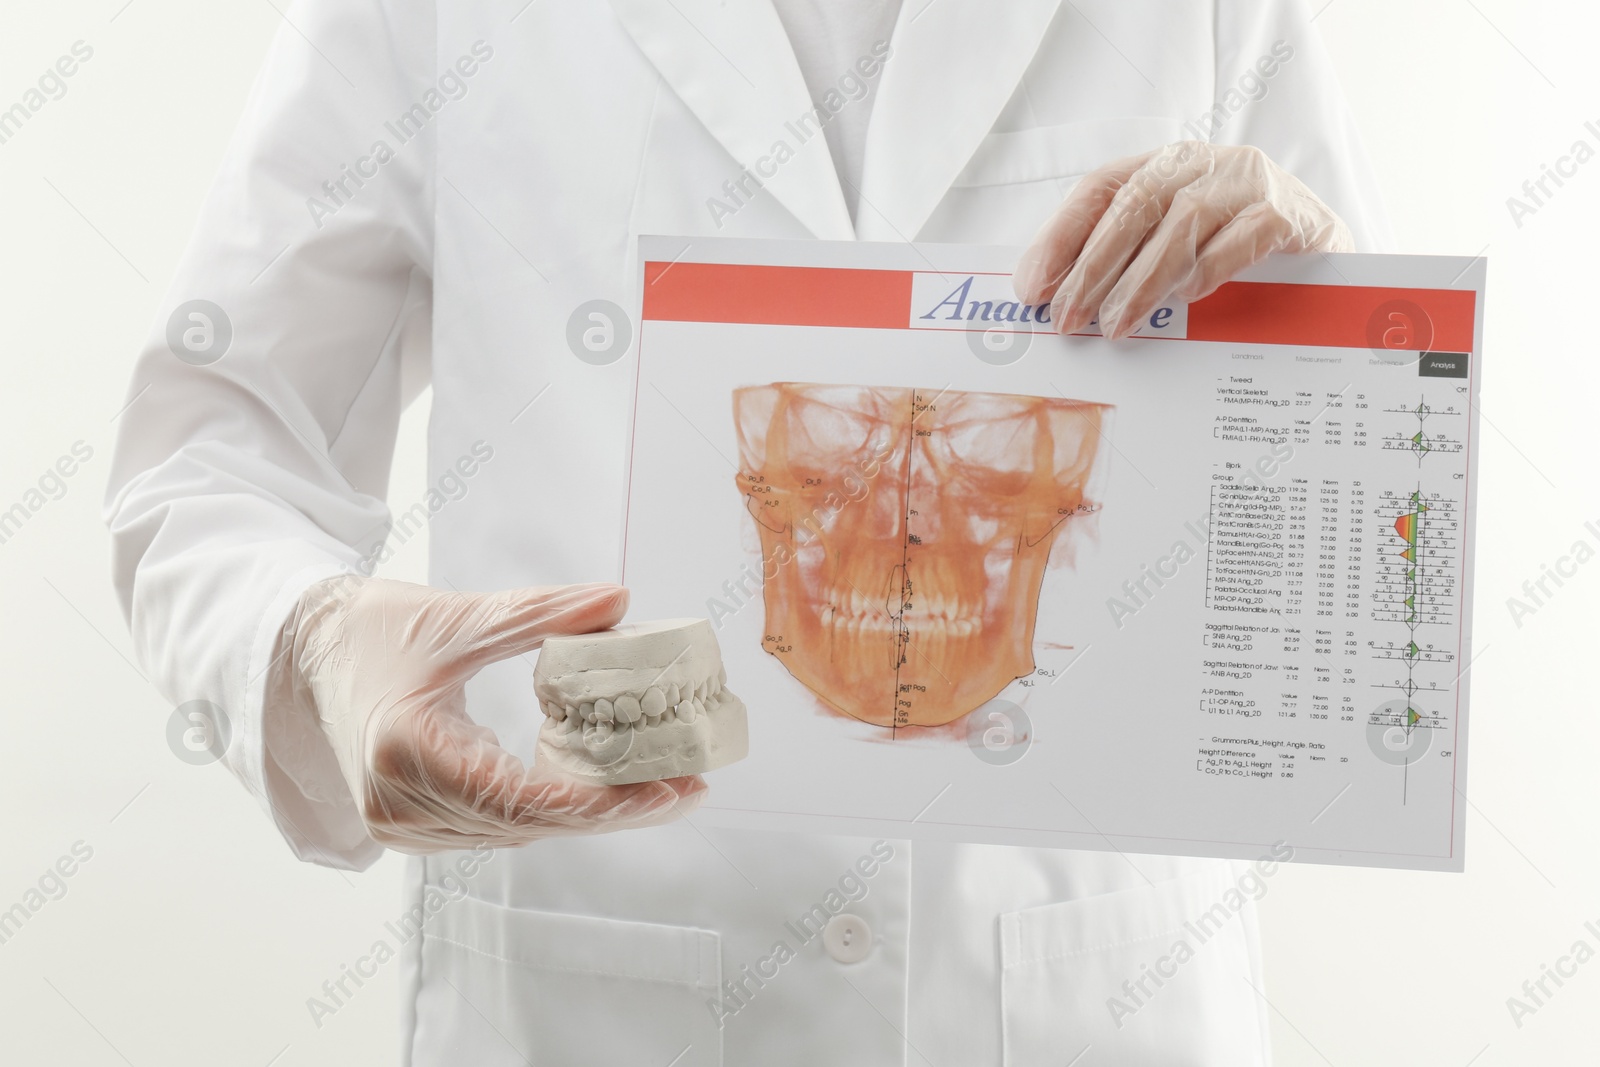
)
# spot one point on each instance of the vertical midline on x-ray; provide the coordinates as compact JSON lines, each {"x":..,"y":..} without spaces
{"x":905,"y":533}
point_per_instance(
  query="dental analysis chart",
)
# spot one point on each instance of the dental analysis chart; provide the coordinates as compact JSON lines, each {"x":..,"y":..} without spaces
{"x":1206,"y":591}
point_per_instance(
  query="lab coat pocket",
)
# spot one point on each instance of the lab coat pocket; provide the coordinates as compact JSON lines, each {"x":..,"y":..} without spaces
{"x":1015,"y":180}
{"x":1064,"y":150}
{"x":1156,"y":975}
{"x":514,"y":986}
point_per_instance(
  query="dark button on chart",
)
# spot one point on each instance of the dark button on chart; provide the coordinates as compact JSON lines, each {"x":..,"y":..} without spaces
{"x":1443,"y":364}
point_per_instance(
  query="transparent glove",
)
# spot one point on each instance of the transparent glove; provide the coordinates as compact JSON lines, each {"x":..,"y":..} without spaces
{"x":1178,"y":221}
{"x":385,"y":664}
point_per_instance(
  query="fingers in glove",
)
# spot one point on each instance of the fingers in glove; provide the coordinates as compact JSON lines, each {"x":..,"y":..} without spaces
{"x":509,"y":623}
{"x":437,"y":773}
{"x":1248,"y":239}
{"x":1257,"y":232}
{"x":420,"y":832}
{"x":422,"y":824}
{"x":1196,"y":216}
{"x":1059,"y":242}
{"x":544,"y":805}
{"x":1138,"y":208}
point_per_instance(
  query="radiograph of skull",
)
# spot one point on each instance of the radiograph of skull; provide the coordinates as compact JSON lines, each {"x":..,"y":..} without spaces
{"x":905,"y":533}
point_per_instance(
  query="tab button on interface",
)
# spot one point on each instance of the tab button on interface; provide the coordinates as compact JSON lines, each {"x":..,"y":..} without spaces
{"x":1443,"y":364}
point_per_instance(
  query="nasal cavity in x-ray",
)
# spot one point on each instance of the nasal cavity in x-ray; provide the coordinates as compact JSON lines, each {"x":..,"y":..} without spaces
{"x":905,"y":534}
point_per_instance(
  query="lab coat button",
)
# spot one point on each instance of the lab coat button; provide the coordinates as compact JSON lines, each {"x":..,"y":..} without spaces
{"x":847,"y":938}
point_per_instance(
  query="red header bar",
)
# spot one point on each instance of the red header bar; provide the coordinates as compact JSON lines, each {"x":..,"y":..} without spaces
{"x":1335,"y":316}
{"x":778,"y":296}
{"x":1259,"y":313}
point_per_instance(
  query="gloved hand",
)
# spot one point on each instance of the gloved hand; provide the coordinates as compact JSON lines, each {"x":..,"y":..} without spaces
{"x":1178,"y":221}
{"x":385,"y":665}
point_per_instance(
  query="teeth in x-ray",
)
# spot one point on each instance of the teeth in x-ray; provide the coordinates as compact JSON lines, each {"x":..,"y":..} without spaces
{"x":905,"y":534}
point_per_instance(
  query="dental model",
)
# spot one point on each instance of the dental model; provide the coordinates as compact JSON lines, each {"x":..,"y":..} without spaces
{"x":904,"y":536}
{"x":639,"y":703}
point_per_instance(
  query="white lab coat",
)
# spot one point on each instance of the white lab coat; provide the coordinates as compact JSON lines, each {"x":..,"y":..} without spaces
{"x":458,"y":259}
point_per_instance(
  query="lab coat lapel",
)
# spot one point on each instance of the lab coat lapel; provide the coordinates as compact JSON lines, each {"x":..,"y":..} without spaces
{"x":731,"y":64}
{"x":955,"y":64}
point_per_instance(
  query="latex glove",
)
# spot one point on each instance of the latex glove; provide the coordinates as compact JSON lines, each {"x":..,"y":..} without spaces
{"x":1178,"y":221}
{"x":385,"y":664}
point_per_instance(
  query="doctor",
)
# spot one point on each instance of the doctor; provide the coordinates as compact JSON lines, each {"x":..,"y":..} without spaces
{"x":426,"y":193}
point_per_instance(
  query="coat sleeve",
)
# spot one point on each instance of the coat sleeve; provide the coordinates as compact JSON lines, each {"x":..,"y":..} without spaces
{"x":1276,"y":89}
{"x":253,"y":456}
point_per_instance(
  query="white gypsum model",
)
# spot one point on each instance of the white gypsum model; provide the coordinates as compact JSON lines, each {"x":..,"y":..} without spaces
{"x":639,"y":703}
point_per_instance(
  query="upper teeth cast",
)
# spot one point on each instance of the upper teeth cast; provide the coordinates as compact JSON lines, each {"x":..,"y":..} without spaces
{"x":658,"y":703}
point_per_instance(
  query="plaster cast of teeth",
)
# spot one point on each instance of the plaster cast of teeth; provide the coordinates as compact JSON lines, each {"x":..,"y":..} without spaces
{"x":640,"y":703}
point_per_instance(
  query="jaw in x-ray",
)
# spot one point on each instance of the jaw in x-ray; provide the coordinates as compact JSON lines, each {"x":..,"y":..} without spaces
{"x":905,"y":533}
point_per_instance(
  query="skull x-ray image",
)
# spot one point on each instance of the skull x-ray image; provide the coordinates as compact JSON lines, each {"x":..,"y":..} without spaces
{"x":905,"y":534}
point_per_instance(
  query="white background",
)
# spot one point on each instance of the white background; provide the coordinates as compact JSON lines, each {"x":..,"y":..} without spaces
{"x":192,"y":937}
